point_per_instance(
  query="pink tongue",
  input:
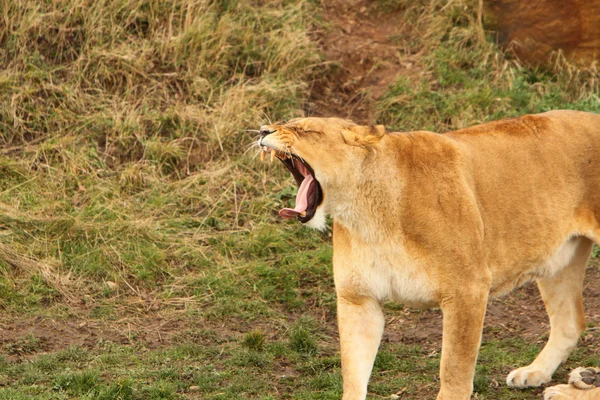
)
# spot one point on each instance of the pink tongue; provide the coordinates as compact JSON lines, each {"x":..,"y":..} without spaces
{"x":301,"y":199}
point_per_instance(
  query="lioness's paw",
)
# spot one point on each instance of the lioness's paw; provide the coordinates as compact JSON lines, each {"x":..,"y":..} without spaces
{"x":561,"y":392}
{"x":527,"y":377}
{"x":585,"y":378}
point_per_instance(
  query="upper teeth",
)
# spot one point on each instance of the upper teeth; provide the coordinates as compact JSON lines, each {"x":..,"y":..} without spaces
{"x":274,"y":153}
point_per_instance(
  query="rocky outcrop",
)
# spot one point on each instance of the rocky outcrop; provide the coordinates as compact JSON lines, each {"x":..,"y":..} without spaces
{"x":535,"y":28}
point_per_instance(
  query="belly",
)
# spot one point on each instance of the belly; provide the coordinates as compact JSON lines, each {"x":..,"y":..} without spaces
{"x":513,"y":274}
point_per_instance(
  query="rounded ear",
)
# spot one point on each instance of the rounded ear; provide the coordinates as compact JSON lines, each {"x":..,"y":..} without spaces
{"x":349,"y":136}
{"x":363,"y":135}
{"x":379,"y":130}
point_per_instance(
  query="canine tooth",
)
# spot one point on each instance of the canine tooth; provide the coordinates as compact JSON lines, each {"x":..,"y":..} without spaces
{"x":273,"y":152}
{"x":303,"y":214}
{"x":262,"y":155}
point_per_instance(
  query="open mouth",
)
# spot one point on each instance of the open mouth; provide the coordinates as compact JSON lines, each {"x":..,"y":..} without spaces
{"x":309,"y":194}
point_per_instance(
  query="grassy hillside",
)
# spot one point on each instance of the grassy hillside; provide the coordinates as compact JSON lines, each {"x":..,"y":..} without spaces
{"x":124,"y":143}
{"x":131,"y":197}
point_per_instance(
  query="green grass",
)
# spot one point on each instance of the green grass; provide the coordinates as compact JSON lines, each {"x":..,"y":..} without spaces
{"x":469,"y":83}
{"x":232,"y":370}
{"x":129,"y":197}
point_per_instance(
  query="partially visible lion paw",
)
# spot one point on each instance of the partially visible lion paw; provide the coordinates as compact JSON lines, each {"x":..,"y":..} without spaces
{"x":527,"y":377}
{"x":585,"y":378}
{"x":561,"y":392}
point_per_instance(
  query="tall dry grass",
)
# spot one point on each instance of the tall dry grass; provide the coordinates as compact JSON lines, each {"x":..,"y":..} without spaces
{"x":123,"y":131}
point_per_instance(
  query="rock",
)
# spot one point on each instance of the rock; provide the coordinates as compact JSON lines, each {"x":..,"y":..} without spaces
{"x":538,"y":27}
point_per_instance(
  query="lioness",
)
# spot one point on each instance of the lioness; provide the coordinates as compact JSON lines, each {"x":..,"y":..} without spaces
{"x":449,"y":220}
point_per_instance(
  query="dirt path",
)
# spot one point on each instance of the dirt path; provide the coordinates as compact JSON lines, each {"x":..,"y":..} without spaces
{"x":365,"y":48}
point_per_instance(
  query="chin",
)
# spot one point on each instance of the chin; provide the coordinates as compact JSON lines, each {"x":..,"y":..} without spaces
{"x":318,"y":221}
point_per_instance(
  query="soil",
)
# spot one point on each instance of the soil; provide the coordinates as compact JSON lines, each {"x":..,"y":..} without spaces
{"x":364,"y":46}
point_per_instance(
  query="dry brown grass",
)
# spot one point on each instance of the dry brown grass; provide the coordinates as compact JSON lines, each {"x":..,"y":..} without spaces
{"x":123,"y":130}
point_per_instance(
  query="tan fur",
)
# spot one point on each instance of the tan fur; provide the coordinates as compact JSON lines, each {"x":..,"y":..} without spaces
{"x":577,"y":389}
{"x":568,"y":392}
{"x":450,"y":220}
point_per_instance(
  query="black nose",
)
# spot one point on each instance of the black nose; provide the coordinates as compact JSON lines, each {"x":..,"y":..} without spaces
{"x":264,"y":131}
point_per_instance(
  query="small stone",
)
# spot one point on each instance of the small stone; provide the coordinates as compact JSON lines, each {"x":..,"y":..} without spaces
{"x":194,"y":388}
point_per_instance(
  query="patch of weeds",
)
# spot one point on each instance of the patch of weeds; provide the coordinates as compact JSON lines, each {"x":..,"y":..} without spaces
{"x":302,"y":337}
{"x":326,"y":381}
{"x":385,"y":360}
{"x":120,"y":390}
{"x":321,"y":364}
{"x":188,"y":350}
{"x":481,"y":383}
{"x":72,"y":353}
{"x":251,"y":358}
{"x":160,"y":390}
{"x":77,"y":383}
{"x":254,"y":341}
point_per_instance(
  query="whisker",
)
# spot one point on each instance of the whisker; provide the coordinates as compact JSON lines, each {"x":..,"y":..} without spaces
{"x":263,"y":121}
{"x":302,"y":159}
{"x":268,"y":119}
{"x":253,"y":130}
{"x":251,"y":146}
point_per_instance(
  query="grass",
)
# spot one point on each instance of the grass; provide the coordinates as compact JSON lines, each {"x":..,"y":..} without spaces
{"x":467,"y":81}
{"x":129,"y":198}
{"x":232,"y":370}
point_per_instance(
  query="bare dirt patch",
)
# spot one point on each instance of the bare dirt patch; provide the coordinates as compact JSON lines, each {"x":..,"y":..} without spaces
{"x":151,"y":330}
{"x":364,"y":46}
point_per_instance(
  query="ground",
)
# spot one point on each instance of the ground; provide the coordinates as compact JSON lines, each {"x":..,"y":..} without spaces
{"x":261,"y":325}
{"x":520,"y":314}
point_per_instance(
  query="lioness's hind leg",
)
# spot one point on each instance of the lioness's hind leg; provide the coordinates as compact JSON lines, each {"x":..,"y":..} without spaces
{"x":562,"y":295}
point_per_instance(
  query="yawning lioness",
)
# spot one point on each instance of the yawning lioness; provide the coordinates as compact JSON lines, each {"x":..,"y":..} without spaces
{"x":449,"y":220}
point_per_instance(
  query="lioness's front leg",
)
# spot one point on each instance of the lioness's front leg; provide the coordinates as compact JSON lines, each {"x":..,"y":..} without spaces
{"x":360,"y":322}
{"x":464,"y":312}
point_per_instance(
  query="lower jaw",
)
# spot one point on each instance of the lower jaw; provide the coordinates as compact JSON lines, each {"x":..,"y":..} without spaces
{"x":318,"y":221}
